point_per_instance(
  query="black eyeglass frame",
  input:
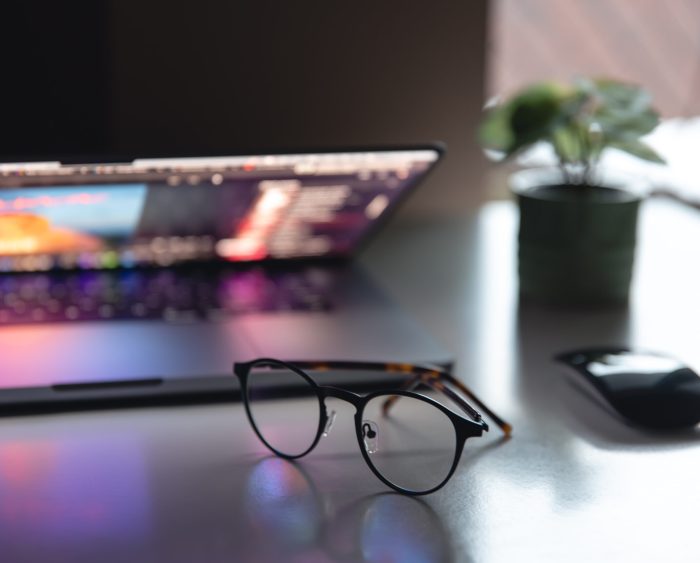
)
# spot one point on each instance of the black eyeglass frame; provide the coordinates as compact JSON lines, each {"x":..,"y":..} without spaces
{"x":464,"y":428}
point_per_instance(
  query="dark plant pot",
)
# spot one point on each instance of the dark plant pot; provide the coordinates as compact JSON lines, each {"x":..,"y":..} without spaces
{"x":576,"y":244}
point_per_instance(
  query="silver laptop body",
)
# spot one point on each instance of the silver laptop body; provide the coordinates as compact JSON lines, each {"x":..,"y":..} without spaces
{"x":148,"y":279}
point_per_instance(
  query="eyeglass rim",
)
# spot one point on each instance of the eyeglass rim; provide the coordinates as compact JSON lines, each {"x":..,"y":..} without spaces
{"x":242,"y":371}
{"x":460,"y":436}
{"x":464,"y":428}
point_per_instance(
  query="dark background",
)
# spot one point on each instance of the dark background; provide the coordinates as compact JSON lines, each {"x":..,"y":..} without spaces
{"x":87,"y":79}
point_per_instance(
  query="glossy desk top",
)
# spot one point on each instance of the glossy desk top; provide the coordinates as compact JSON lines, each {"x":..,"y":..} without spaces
{"x":183,"y":484}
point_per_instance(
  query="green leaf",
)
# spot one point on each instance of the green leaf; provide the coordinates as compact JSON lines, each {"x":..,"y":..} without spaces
{"x":622,"y":109}
{"x":616,"y":123}
{"x":637,"y":148}
{"x":622,"y":97}
{"x":536,"y":112}
{"x":567,"y":144}
{"x":530,"y":116}
{"x":494,"y":132}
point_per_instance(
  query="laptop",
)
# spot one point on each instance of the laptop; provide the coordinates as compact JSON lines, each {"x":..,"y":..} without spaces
{"x":148,"y":279}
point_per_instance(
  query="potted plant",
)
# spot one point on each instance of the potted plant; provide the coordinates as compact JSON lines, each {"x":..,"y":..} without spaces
{"x":578,"y":222}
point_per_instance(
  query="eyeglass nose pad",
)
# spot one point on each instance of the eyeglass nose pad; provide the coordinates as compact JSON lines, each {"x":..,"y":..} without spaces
{"x":369,"y":436}
{"x":329,"y":424}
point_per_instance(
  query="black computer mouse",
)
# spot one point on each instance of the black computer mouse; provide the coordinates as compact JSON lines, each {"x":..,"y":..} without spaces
{"x":647,"y":389}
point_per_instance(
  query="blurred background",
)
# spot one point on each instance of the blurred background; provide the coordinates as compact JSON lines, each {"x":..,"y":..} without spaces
{"x":656,"y":44}
{"x":126,"y":78}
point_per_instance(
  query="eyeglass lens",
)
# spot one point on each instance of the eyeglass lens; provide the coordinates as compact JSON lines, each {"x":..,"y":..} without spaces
{"x":413,"y":446}
{"x":269,"y":390}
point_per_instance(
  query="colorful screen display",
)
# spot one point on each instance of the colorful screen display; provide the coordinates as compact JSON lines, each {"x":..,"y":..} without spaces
{"x":166,"y":211}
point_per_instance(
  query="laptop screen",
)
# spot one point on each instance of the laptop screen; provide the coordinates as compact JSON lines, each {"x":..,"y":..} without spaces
{"x":161,"y":212}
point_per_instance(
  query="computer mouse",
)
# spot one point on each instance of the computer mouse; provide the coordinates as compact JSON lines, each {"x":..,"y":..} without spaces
{"x":647,"y":389}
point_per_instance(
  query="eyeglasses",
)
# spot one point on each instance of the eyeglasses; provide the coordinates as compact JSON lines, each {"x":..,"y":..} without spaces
{"x":411,"y":442}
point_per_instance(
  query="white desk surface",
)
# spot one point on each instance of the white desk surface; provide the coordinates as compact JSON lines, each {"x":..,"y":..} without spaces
{"x":192,"y":484}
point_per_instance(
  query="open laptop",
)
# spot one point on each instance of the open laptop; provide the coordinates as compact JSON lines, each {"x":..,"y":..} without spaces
{"x":150,"y":278}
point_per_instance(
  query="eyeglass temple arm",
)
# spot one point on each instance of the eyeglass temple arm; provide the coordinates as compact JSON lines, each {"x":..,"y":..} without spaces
{"x":430,"y":379}
{"x":415,"y":382}
{"x":423,"y":375}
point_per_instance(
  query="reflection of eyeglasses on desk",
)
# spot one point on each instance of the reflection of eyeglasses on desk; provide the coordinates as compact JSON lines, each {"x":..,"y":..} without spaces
{"x":291,"y":520}
{"x":411,"y":442}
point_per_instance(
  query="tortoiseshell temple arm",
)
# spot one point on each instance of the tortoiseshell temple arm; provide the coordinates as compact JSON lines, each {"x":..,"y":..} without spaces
{"x":432,"y":380}
{"x":432,"y":377}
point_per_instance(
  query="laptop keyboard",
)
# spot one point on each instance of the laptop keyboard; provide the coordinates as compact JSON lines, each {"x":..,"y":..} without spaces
{"x":172,"y":295}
